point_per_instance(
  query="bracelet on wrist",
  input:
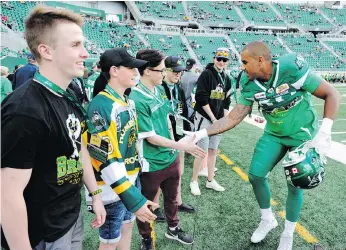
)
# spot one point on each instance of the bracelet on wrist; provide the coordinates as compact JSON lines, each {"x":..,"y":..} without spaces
{"x":98,"y":191}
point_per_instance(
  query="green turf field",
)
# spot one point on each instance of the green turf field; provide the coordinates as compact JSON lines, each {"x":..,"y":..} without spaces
{"x":226,"y":220}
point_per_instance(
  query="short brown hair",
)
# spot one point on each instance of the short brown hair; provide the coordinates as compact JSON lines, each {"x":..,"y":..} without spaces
{"x":40,"y":24}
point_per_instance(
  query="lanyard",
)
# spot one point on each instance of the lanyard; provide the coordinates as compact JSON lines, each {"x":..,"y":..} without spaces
{"x":140,"y":84}
{"x":55,"y":88}
{"x":176,"y":94}
{"x":112,"y":92}
{"x":221,"y":78}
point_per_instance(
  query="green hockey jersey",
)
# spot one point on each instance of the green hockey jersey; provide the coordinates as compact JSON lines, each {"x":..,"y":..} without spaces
{"x":115,"y":121}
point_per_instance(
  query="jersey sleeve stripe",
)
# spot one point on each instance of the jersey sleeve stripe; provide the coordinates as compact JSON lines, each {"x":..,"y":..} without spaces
{"x":122,"y":187}
{"x":113,"y":172}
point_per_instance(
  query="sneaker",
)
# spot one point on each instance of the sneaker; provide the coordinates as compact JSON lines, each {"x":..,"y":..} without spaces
{"x":147,"y":244}
{"x":286,"y":242}
{"x":160,"y":215}
{"x":186,"y":208}
{"x":214,"y":185}
{"x":263,"y":229}
{"x":195,"y":188}
{"x":179,"y":235}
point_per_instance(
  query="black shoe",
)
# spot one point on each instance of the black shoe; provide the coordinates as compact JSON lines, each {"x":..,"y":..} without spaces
{"x":160,"y":216}
{"x":147,"y":244}
{"x":179,"y":235}
{"x":186,"y":208}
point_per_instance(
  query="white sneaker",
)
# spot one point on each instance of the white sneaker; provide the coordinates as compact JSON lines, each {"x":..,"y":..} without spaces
{"x":263,"y":229}
{"x":195,"y":188}
{"x":214,"y":185}
{"x":286,"y":242}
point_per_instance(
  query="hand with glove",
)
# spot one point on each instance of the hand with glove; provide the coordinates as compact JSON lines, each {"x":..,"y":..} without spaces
{"x":198,"y":134}
{"x":322,"y":141}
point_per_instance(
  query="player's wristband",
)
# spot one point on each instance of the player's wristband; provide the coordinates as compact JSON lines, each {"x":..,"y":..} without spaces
{"x":326,"y":125}
{"x":98,"y":191}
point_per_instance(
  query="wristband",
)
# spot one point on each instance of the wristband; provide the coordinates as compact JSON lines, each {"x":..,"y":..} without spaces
{"x":98,"y":191}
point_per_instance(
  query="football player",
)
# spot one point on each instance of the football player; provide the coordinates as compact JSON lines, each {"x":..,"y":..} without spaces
{"x":282,"y":87}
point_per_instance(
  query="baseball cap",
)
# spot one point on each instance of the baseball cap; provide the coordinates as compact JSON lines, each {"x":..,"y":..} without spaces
{"x":119,"y":57}
{"x":174,"y":63}
{"x":30,"y":56}
{"x":189,"y":63}
{"x":222,"y":53}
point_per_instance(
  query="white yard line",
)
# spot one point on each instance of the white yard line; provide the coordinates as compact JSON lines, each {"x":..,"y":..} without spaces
{"x":338,"y":133}
{"x":336,"y":152}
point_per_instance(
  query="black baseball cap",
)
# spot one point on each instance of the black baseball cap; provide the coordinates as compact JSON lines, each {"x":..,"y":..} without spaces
{"x":189,"y":63}
{"x":119,"y":57}
{"x":174,"y":63}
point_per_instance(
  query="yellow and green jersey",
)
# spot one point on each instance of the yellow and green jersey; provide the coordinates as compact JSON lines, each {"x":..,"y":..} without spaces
{"x":285,"y":100}
{"x":115,"y":121}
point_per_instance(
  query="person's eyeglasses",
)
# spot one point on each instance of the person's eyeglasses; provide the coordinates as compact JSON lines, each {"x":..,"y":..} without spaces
{"x":162,"y":71}
{"x":222,"y":59}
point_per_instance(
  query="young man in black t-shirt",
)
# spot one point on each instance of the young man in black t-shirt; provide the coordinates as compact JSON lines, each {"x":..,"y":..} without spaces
{"x":44,"y":160}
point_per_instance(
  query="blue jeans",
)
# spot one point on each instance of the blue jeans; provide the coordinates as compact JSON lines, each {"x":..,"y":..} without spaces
{"x":117,"y":215}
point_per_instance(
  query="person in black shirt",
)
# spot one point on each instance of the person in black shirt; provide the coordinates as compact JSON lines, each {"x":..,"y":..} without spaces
{"x":44,"y":161}
{"x":213,"y":98}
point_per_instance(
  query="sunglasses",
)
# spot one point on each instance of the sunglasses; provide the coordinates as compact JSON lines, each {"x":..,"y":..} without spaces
{"x":222,"y":59}
{"x":222,"y":53}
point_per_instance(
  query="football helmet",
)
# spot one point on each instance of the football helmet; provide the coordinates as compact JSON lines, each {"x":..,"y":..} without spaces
{"x":304,"y":167}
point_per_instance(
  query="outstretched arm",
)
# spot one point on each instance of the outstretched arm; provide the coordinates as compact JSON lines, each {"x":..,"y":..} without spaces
{"x":234,"y":117}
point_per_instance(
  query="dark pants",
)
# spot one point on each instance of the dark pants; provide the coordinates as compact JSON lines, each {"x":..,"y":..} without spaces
{"x":168,"y":180}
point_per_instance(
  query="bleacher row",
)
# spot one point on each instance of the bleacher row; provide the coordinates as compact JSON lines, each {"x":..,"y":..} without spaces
{"x":102,"y":35}
{"x":304,"y":14}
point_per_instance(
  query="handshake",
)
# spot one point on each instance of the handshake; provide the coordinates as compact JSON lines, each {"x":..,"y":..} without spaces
{"x":188,"y":143}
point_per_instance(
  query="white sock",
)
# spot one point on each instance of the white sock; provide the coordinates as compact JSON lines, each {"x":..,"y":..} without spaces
{"x":172,"y":228}
{"x":267,"y":214}
{"x":289,"y":227}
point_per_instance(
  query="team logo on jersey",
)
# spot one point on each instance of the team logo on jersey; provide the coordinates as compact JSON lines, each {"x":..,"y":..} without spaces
{"x":260,"y":95}
{"x":300,"y":62}
{"x":74,"y":130}
{"x":282,"y":89}
{"x":271,"y":90}
{"x":118,"y":123}
{"x":98,"y":120}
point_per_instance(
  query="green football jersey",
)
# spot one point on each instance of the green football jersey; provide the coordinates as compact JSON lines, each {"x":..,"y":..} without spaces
{"x":285,"y":100}
{"x":89,"y":86}
{"x":115,"y":121}
{"x":152,"y":110}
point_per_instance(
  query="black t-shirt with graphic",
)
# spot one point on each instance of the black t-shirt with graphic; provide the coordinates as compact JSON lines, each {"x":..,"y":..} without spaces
{"x":42,"y":131}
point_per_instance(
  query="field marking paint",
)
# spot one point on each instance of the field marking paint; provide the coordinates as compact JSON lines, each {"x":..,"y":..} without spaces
{"x":301,"y":230}
{"x":240,"y":172}
{"x":225,"y":159}
{"x":338,"y":133}
{"x":153,"y":234}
